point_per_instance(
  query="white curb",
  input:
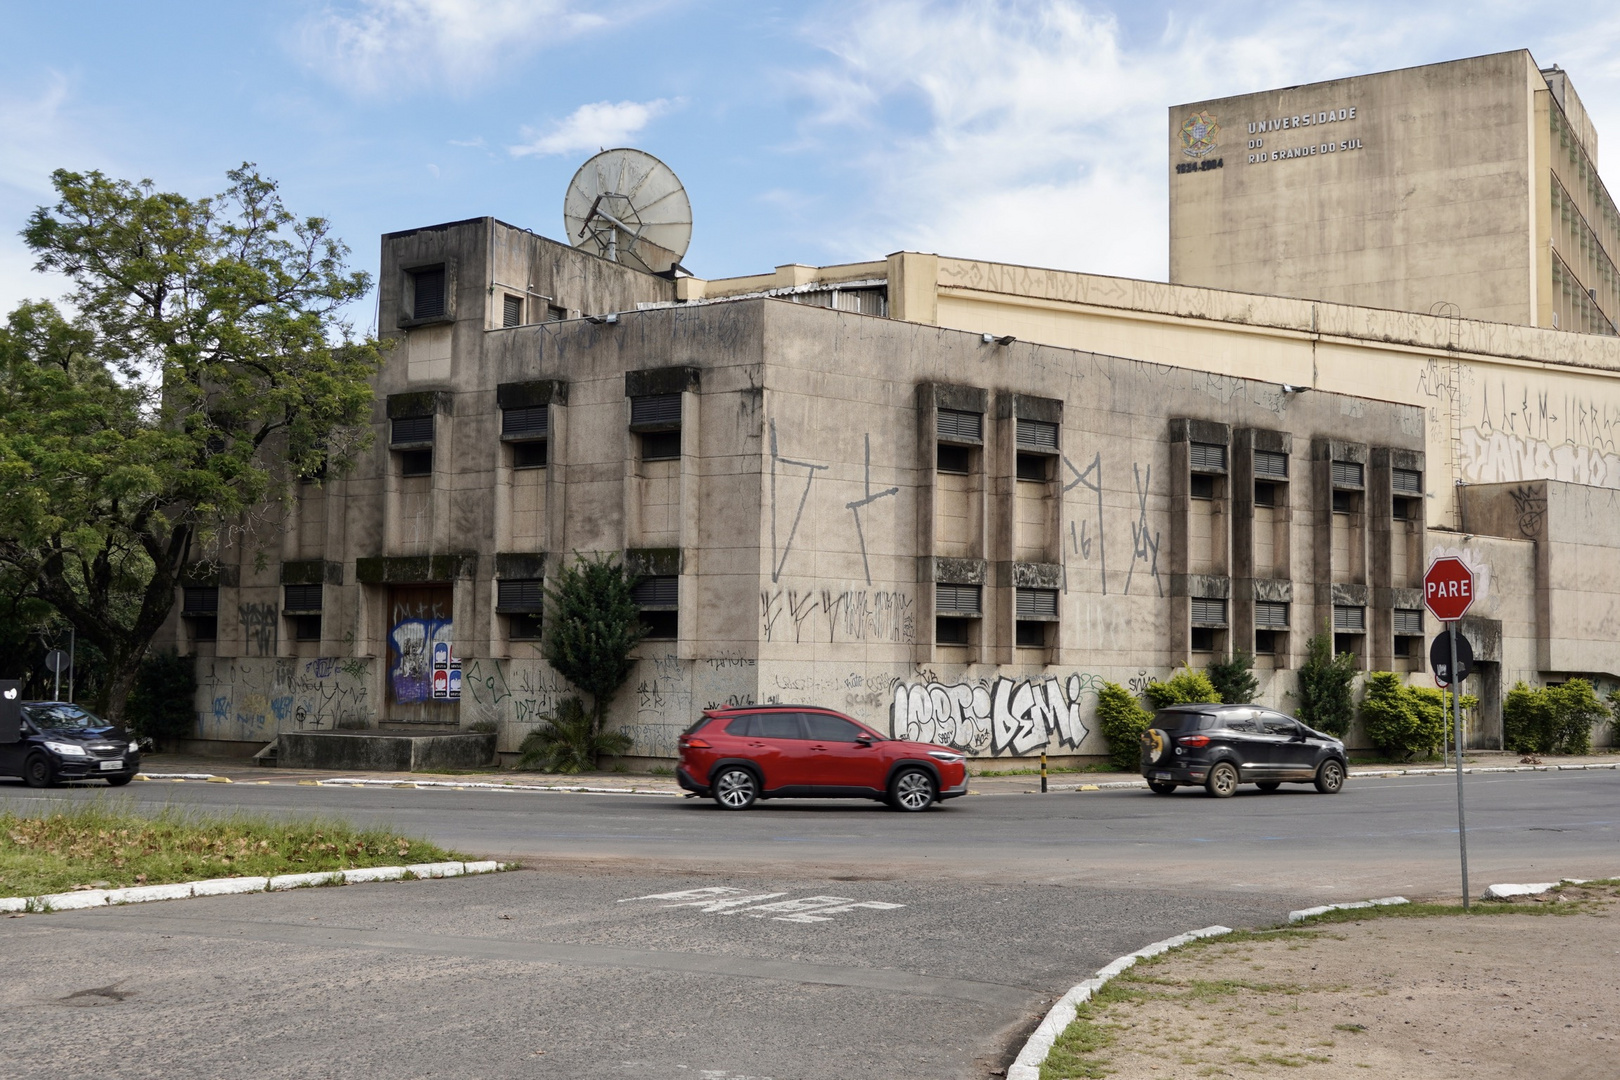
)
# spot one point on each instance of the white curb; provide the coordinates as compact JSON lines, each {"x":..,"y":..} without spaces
{"x":1306,"y":913}
{"x":1504,"y":892}
{"x":485,"y":785}
{"x":141,"y":894}
{"x":1061,"y":1015}
{"x":175,"y":775}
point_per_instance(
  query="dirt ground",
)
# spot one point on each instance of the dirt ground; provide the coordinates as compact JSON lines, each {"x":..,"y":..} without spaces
{"x":1531,"y":992}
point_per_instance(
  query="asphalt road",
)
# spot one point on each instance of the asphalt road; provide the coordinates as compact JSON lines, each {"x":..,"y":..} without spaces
{"x":806,"y":940}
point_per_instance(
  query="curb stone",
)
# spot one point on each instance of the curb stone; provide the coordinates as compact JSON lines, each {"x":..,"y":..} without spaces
{"x":141,"y":894}
{"x":1061,"y":1015}
{"x":1504,"y":892}
{"x":1306,"y":913}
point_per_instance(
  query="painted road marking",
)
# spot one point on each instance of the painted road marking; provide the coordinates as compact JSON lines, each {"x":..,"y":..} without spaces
{"x":728,"y":900}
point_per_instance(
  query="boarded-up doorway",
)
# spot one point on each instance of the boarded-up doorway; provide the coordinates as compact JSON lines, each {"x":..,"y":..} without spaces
{"x":421,"y":647}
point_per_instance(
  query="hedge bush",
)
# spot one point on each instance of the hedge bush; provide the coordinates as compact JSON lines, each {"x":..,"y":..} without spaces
{"x":1403,"y":721}
{"x":162,"y":704}
{"x":1123,"y":723}
{"x":1234,"y":679}
{"x":1551,"y":719}
{"x":1325,"y":683}
{"x":1184,"y":687}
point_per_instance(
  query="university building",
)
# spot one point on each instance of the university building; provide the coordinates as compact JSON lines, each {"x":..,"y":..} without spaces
{"x":947,"y":496}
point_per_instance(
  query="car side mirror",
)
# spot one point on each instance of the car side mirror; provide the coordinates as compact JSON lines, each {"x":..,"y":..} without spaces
{"x":863,"y":740}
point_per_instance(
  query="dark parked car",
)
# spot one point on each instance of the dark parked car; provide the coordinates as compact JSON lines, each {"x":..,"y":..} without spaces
{"x":738,"y":755}
{"x":69,"y":742}
{"x":1222,"y":746}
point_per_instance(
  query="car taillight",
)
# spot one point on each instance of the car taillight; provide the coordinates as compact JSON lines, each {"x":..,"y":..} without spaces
{"x":694,"y":744}
{"x":1193,"y":740}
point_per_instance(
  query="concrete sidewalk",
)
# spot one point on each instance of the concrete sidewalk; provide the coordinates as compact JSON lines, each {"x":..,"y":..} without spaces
{"x":196,"y":768}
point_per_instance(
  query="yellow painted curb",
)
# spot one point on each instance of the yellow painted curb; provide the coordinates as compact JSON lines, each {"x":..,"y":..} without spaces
{"x":219,"y":780}
{"x":308,"y":783}
{"x":142,"y":776}
{"x":1089,"y":787}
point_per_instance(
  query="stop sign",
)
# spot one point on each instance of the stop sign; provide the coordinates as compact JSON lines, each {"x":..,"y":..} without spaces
{"x":1448,"y":588}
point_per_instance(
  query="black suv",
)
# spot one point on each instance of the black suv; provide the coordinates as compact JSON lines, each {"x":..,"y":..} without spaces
{"x":1222,"y":746}
{"x":61,"y":741}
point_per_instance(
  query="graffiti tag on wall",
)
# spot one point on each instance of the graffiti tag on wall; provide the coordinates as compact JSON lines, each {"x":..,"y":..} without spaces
{"x":1003,"y":716}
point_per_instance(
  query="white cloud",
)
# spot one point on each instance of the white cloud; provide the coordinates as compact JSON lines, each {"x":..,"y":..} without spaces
{"x":372,"y":44}
{"x":38,"y":134}
{"x":1042,"y":129}
{"x":597,"y":126}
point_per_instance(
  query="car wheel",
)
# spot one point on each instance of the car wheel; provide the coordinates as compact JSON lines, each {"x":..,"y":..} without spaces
{"x":119,"y":781}
{"x":735,"y":788}
{"x":1223,"y":780}
{"x":38,"y":771}
{"x":1160,"y":787}
{"x":911,"y":790}
{"x":1330,"y":777}
{"x":1268,"y":786}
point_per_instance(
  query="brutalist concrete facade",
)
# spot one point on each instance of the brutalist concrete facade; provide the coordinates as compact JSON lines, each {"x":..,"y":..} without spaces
{"x":951,"y":537}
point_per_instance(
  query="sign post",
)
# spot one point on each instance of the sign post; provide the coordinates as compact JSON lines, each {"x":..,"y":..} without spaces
{"x":1448,"y":593}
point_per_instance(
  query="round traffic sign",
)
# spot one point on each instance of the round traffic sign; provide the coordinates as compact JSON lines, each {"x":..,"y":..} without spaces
{"x":1448,"y":588}
{"x":57,"y":661}
{"x":1440,"y":659}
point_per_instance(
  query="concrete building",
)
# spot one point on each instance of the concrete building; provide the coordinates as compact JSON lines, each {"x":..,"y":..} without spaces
{"x":1468,"y":187}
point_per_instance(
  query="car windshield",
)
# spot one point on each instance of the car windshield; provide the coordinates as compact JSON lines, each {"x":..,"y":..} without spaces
{"x":1184,"y":721}
{"x":61,"y":717}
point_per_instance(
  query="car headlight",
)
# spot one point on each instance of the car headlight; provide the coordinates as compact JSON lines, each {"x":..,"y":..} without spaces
{"x":66,"y":749}
{"x":948,"y":758}
{"x":134,"y":747}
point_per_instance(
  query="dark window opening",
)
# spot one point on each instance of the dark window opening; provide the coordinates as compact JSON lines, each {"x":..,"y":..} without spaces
{"x":520,"y":596}
{"x":661,"y":625}
{"x":660,"y":446}
{"x":1405,"y":509}
{"x":954,"y":459}
{"x":1203,"y":486}
{"x":1347,"y":643}
{"x":427,"y":293}
{"x":1034,"y":467}
{"x":529,"y":455}
{"x":512,"y":311}
{"x":555,"y":313}
{"x":1030,"y":635}
{"x":200,"y":600}
{"x":949,"y":631}
{"x":525,"y":627}
{"x":1265,"y":642}
{"x":1403,"y":647}
{"x":1265,"y":494}
{"x":306,"y":627}
{"x":305,"y":598}
{"x":204,"y":627}
{"x":1346,"y":502}
{"x":529,"y":422}
{"x":411,"y":430}
{"x":416,"y":463}
{"x":1203,"y":639}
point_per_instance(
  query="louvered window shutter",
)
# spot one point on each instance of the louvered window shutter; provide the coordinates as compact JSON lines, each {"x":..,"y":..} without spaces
{"x":956,"y":599}
{"x":958,"y":426}
{"x":661,"y":411}
{"x":1409,"y":621}
{"x":1037,"y":435}
{"x":200,"y":600}
{"x":412,"y":430}
{"x":1208,"y":457}
{"x":1347,"y":474}
{"x":1407,"y":480}
{"x":427,"y":300}
{"x":1271,"y":465}
{"x":1271,"y":615}
{"x":303,"y":598}
{"x":1208,"y":612}
{"x":512,"y":311}
{"x":657,"y":592}
{"x":1349,"y":620}
{"x":520,"y":596}
{"x":529,"y":423}
{"x":1037,"y":603}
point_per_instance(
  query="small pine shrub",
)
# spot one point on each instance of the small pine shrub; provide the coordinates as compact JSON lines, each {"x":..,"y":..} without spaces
{"x":1326,"y":702}
{"x":162,"y":704}
{"x":1234,"y":679}
{"x":569,"y":741}
{"x":1184,"y":687}
{"x":1123,"y":723}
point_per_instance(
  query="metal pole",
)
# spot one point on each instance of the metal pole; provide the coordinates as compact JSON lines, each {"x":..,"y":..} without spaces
{"x":1456,"y":721}
{"x":1043,"y":772}
{"x":73,"y":657}
{"x":56,"y":694}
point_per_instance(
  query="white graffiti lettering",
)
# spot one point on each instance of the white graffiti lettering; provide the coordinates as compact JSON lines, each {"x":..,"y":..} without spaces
{"x":993,"y":718}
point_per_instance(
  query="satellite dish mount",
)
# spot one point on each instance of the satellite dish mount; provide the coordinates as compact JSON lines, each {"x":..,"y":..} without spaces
{"x":628,"y":207}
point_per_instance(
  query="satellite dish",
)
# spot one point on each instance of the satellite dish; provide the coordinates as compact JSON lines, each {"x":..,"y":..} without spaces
{"x":627,"y":206}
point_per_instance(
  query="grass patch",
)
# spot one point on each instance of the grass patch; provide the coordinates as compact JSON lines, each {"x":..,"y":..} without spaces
{"x":107,"y":845}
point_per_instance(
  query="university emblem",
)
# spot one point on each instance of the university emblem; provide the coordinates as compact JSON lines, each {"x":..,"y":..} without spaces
{"x":1198,"y":134}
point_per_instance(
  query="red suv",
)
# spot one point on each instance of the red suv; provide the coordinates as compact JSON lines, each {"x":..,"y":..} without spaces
{"x":737,"y":755}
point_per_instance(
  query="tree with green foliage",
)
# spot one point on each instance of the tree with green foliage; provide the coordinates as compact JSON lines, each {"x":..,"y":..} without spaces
{"x":1551,"y":719}
{"x":1123,"y":722}
{"x":207,"y":366}
{"x":591,"y":630}
{"x":1184,"y":687}
{"x":162,"y":706}
{"x":1403,"y":721}
{"x":1326,"y":681}
{"x":1234,"y":679}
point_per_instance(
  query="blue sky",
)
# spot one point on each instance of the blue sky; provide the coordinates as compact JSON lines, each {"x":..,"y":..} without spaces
{"x":811,"y":132}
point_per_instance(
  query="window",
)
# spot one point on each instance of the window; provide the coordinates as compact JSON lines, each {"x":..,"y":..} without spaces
{"x":306,"y":627}
{"x":1405,"y":509}
{"x":1208,"y":457}
{"x":957,"y":599}
{"x":411,"y":431}
{"x":744,"y":727}
{"x":1030,"y":635}
{"x":1208,"y":612}
{"x":1203,"y":639}
{"x":1203,"y":486}
{"x":1266,"y":642}
{"x":1347,"y":474}
{"x":302,"y":605}
{"x":824,"y":728}
{"x":427,"y":293}
{"x":954,"y":425}
{"x":1038,"y":435}
{"x":1030,"y":466}
{"x":661,"y":446}
{"x":777,"y":725}
{"x":1348,"y":619}
{"x":1271,"y":464}
{"x":529,"y":422}
{"x":1037,"y":603}
{"x":416,"y":463}
{"x":1403,"y":647}
{"x":1272,"y":614}
{"x":522,"y":601}
{"x":200,"y":608}
{"x":658,"y":598}
{"x":512,"y":311}
{"x":1408,"y":623}
{"x":1277,"y":724}
{"x":658,"y":418}
{"x":1407,"y":480}
{"x":954,"y":459}
{"x":1346,"y":502}
{"x":951,"y":631}
{"x":529,"y":455}
{"x":1265,"y":494}
{"x":555,"y":313}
